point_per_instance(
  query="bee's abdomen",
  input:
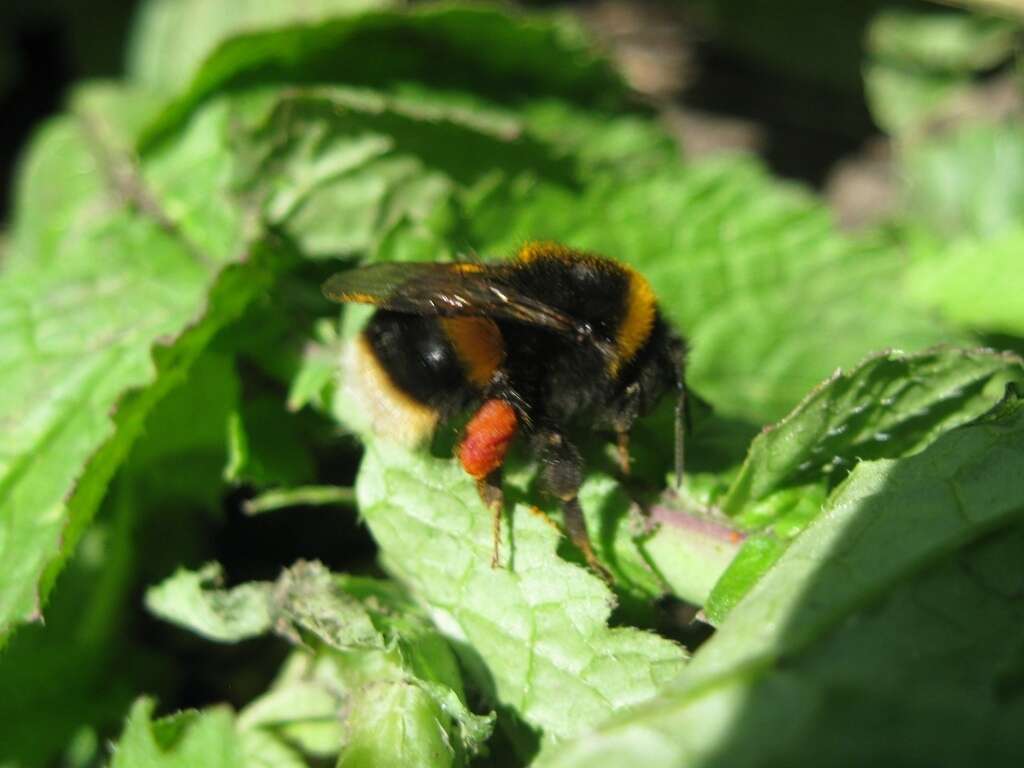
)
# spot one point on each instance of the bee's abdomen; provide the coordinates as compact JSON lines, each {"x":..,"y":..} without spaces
{"x":404,"y":373}
{"x":417,"y":356}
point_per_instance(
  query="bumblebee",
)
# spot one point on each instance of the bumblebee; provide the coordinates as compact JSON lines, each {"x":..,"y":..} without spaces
{"x":548,"y":343}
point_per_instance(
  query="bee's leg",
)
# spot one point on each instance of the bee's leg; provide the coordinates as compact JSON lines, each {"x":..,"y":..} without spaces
{"x":543,"y":516}
{"x":482,"y":452}
{"x":563,"y":476}
{"x":577,"y":529}
{"x":625,"y":413}
{"x":493,"y":497}
{"x":622,"y":446}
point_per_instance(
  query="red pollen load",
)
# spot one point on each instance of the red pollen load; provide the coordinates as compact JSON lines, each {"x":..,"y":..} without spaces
{"x":487,"y":437}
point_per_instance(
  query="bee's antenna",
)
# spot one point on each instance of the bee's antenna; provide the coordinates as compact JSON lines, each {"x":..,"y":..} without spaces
{"x":682,"y":420}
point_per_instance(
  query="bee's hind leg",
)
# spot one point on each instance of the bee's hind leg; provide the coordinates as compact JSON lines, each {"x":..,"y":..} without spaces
{"x":493,"y":497}
{"x":482,"y":451}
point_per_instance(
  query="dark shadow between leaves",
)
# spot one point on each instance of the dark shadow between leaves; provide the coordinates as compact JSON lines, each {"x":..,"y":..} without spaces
{"x":514,"y":742}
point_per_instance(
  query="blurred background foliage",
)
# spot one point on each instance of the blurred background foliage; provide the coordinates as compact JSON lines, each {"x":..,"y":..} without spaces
{"x":903,"y":116}
{"x":815,"y":89}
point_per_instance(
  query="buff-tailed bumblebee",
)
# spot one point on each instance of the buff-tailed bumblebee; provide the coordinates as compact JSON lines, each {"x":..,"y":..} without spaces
{"x":545,"y":345}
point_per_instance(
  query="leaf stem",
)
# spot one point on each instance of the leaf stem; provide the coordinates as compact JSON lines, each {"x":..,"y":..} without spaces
{"x":691,"y":551}
{"x":306,"y":495}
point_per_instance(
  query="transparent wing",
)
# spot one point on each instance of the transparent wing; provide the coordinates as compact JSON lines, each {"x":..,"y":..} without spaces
{"x":447,"y":290}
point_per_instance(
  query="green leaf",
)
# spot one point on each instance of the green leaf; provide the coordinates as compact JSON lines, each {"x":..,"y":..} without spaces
{"x":301,"y":706}
{"x":886,"y":592}
{"x":83,"y":150}
{"x":975,"y":284}
{"x":263,"y":750}
{"x":267,"y":445}
{"x":368,"y":707}
{"x":391,"y":642}
{"x":526,"y":57}
{"x":782,"y":517}
{"x":760,"y":375}
{"x":194,"y":738}
{"x":934,"y":38}
{"x":180,"y":452}
{"x":77,"y":674}
{"x":891,"y":405}
{"x":414,"y":739}
{"x":689,"y":550}
{"x":83,"y":311}
{"x":190,"y":740}
{"x":171,"y":38}
{"x":313,"y":382}
{"x":343,"y":167}
{"x":628,"y":143}
{"x":963,"y":223}
{"x":920,"y":59}
{"x":373,"y":665}
{"x":903,"y":100}
{"x":678,"y":546}
{"x":970,"y":182}
{"x":310,"y":598}
{"x":538,"y":624}
{"x":305,"y":596}
{"x":192,"y":599}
